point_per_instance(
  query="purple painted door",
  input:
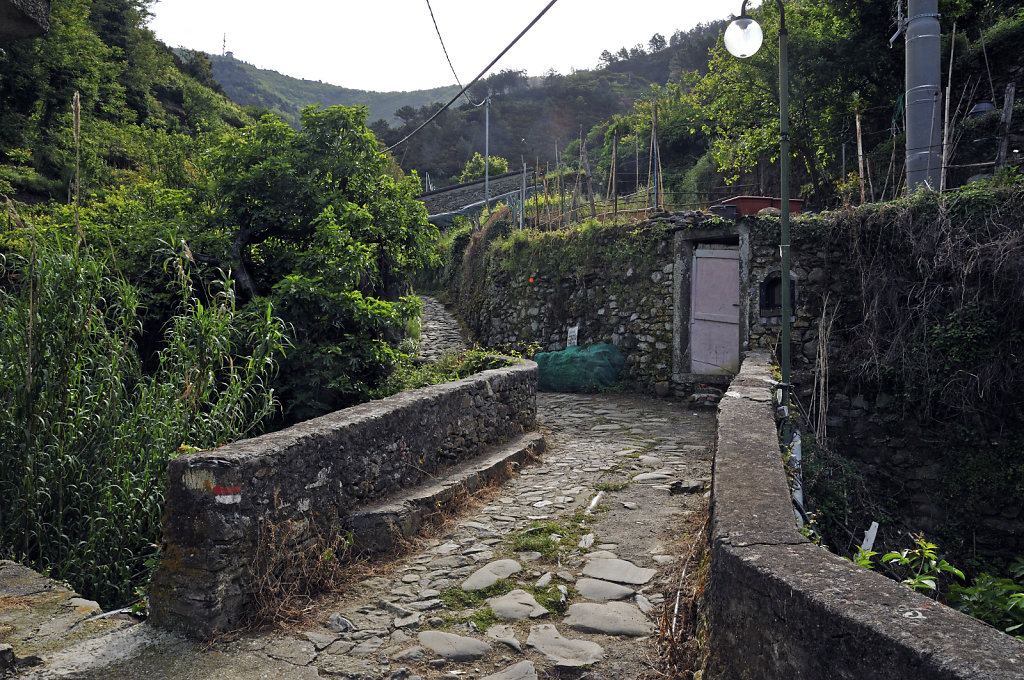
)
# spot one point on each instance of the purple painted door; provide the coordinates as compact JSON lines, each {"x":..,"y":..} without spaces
{"x":715,"y":312}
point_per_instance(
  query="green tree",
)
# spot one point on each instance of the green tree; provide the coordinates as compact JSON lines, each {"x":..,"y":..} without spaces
{"x":834,"y":52}
{"x":475,"y":167}
{"x":321,"y":223}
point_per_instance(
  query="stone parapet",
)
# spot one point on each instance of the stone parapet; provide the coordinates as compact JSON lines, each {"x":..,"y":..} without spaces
{"x":310,"y":478}
{"x":781,"y":607}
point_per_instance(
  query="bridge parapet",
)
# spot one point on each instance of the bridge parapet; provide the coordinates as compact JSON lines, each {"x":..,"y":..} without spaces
{"x":781,"y":607}
{"x":306,"y":482}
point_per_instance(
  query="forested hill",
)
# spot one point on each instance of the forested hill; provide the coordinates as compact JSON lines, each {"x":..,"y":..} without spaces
{"x":531,"y":117}
{"x":286,"y":96}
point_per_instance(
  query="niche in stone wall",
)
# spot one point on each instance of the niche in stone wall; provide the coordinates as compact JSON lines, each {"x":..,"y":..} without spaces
{"x":771,"y":295}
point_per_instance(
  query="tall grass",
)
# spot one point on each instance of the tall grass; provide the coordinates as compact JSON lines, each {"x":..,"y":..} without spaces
{"x":85,"y":433}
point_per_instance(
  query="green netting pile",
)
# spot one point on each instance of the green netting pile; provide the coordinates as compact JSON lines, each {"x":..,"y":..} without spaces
{"x":576,"y":369}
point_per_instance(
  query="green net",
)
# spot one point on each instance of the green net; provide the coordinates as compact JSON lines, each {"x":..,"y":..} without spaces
{"x":576,"y":369}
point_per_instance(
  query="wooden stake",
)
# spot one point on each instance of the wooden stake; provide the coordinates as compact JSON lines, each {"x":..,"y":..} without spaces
{"x":945,"y":124}
{"x":615,"y":165}
{"x":590,"y":184}
{"x":536,"y":199}
{"x":1004,"y":125}
{"x":860,"y":156}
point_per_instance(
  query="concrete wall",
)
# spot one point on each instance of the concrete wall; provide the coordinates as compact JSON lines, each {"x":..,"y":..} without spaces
{"x":310,"y":478}
{"x":781,"y":607}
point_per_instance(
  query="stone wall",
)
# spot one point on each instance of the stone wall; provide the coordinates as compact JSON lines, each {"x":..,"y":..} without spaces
{"x":455,"y":197}
{"x":920,"y":473}
{"x":310,"y":478}
{"x":620,"y":289}
{"x":781,"y":607}
{"x":22,"y":19}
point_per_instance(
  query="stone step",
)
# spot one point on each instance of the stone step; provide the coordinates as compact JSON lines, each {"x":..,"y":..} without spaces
{"x":706,"y":396}
{"x":383,"y":527}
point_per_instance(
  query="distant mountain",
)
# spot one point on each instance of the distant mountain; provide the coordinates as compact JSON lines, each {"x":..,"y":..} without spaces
{"x":247,"y":85}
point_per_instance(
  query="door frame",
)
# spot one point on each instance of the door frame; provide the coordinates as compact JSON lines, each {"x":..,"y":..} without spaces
{"x":684,"y":247}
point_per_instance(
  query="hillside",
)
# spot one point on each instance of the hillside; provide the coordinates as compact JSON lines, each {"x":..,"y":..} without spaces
{"x":286,"y":96}
{"x":142,"y":113}
{"x":531,"y":117}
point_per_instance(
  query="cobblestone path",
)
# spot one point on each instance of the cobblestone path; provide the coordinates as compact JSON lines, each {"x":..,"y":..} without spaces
{"x":559,"y":573}
{"x":439,"y":332}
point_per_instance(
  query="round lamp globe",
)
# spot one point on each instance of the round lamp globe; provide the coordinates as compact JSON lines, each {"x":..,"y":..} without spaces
{"x":743,"y":37}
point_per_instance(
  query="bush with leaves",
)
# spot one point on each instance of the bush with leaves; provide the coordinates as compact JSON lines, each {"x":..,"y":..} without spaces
{"x":476,"y":165}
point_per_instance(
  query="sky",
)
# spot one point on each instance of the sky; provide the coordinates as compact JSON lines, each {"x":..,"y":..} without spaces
{"x":391,"y":45}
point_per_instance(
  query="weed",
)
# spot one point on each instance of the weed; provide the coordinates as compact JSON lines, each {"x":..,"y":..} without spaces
{"x":551,"y":598}
{"x":550,"y":539}
{"x":611,"y":486}
{"x":295,"y":562}
{"x":456,"y":598}
{"x":483,"y":619}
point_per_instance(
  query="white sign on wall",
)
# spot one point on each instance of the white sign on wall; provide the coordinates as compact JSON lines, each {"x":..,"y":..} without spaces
{"x":574,"y":334}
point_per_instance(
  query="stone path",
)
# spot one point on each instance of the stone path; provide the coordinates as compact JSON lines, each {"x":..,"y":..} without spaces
{"x":439,"y":332}
{"x":561,"y":571}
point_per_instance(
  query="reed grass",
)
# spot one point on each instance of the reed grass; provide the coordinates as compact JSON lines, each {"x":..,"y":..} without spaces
{"x":85,"y":433}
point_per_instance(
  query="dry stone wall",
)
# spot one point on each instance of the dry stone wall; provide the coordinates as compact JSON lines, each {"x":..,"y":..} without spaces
{"x":962,"y":495}
{"x":305,"y":481}
{"x":617,"y":285}
{"x":23,"y":19}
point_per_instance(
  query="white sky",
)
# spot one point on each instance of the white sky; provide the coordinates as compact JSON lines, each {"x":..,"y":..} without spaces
{"x":388,"y":45}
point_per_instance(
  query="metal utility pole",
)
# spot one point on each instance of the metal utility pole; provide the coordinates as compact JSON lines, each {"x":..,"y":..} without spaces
{"x":924,"y":94}
{"x":487,"y":150}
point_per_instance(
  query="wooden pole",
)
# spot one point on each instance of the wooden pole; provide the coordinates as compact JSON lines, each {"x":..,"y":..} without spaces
{"x":536,"y":199}
{"x":615,"y":165}
{"x":547,"y":196}
{"x":1004,"y":125}
{"x":945,"y":123}
{"x":636,"y":140}
{"x":860,"y":157}
{"x":656,"y":161}
{"x":590,"y":183}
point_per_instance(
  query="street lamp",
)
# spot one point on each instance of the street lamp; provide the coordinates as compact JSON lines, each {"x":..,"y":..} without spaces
{"x":743,"y":38}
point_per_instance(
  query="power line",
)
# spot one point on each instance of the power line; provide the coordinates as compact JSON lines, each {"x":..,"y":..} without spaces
{"x":473,"y":82}
{"x":450,"y":65}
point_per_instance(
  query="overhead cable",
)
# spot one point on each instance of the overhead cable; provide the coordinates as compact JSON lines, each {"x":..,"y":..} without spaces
{"x":473,"y":82}
{"x":450,"y":65}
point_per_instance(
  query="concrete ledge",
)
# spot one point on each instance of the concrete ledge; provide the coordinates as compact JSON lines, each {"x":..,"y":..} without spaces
{"x":780,"y":607}
{"x":385,"y":526}
{"x":299,"y":487}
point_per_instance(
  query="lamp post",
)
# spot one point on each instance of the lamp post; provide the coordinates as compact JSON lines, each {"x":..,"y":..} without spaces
{"x":743,"y":38}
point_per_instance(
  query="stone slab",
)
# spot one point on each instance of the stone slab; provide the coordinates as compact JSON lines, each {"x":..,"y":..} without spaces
{"x":619,"y":571}
{"x":523,"y":670}
{"x":562,"y":651}
{"x":611,"y":618}
{"x":454,"y":647}
{"x":489,"y":574}
{"x":596,"y":589}
{"x":516,"y":606}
